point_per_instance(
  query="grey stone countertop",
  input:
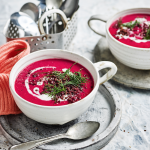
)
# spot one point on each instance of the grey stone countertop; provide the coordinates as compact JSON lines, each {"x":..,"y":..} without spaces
{"x":134,"y":129}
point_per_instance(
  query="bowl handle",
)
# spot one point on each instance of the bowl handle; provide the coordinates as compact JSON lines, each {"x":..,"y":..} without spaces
{"x":100,"y":18}
{"x":106,"y":64}
{"x":50,"y":12}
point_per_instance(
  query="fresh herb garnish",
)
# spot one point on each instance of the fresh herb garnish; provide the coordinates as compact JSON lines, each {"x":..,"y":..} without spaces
{"x":55,"y":90}
{"x":130,"y":24}
{"x":59,"y":82}
{"x":75,"y":79}
{"x":119,"y":22}
{"x":147,"y":37}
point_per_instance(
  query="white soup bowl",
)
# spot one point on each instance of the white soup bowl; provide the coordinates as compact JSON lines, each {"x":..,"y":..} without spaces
{"x":65,"y":113}
{"x":134,"y":57}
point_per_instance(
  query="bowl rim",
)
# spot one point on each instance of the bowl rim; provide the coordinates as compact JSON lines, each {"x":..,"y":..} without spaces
{"x":12,"y":89}
{"x":122,"y":44}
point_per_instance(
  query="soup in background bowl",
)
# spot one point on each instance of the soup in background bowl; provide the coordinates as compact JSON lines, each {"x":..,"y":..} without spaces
{"x":133,"y":30}
{"x":128,"y":36}
{"x":61,"y":111}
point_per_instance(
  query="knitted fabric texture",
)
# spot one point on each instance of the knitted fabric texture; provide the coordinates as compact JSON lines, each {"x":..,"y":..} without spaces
{"x":10,"y":53}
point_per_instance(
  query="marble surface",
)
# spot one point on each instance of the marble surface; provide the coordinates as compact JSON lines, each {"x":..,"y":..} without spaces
{"x":134,"y":131}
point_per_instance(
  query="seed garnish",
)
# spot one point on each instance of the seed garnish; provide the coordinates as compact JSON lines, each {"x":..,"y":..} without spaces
{"x":58,"y":84}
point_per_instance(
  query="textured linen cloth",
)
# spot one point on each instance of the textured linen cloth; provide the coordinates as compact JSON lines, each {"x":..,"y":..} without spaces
{"x":10,"y":53}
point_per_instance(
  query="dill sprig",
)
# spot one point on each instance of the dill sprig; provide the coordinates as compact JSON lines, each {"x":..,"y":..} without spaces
{"x":147,"y":36}
{"x":64,"y":80}
{"x":130,"y":24}
{"x":53,"y":90}
{"x":75,"y":79}
{"x":119,"y":22}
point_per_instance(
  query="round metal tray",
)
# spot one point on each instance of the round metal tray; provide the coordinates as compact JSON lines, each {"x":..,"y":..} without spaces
{"x":125,"y":75}
{"x":106,"y":109}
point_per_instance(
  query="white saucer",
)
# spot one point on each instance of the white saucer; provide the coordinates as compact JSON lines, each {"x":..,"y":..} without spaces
{"x":125,"y":75}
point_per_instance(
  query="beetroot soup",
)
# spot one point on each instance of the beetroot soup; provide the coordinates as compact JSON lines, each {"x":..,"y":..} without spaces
{"x":133,"y":30}
{"x":54,"y":82}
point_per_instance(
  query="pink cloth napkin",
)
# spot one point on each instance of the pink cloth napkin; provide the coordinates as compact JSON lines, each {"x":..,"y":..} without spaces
{"x":10,"y":53}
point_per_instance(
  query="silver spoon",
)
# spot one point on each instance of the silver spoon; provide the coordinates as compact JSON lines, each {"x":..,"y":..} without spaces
{"x":76,"y":132}
{"x":53,"y":4}
{"x":25,"y":22}
{"x":32,"y":10}
{"x":42,"y":9}
{"x":68,"y":7}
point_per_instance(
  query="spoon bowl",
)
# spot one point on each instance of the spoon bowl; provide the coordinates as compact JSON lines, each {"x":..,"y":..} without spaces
{"x":51,"y":4}
{"x":32,"y":10}
{"x":25,"y":22}
{"x":83,"y":130}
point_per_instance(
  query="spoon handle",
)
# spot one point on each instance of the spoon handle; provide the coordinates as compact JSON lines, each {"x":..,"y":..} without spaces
{"x":33,"y":144}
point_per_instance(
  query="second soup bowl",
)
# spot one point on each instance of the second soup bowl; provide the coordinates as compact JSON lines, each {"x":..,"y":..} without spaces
{"x":134,"y":57}
{"x":65,"y":113}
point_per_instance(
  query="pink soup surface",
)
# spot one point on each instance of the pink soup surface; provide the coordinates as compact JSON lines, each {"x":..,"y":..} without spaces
{"x":139,"y":31}
{"x":32,"y":75}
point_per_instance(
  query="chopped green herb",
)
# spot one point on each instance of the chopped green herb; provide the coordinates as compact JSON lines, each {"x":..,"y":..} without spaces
{"x":63,"y":81}
{"x":130,"y":25}
{"x":54,"y":90}
{"x":67,"y":72}
{"x":75,"y":79}
{"x":119,"y":22}
{"x":147,"y":37}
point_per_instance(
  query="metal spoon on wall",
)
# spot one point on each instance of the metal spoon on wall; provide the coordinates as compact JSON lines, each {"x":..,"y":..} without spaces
{"x":76,"y":132}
